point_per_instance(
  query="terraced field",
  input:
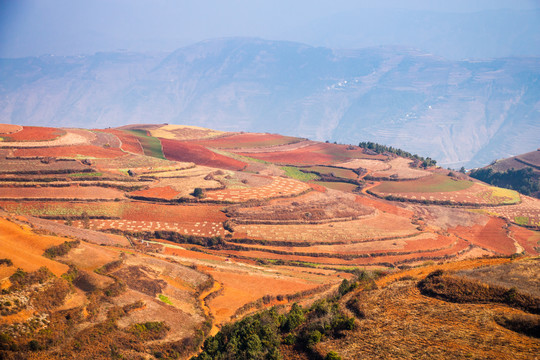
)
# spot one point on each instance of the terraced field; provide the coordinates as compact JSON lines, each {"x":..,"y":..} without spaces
{"x":280,"y":187}
{"x":438,"y":188}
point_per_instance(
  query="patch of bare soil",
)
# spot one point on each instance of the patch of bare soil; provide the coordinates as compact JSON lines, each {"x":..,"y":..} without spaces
{"x":445,"y":217}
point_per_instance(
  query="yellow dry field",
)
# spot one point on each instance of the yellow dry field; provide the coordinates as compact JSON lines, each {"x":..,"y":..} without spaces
{"x":371,"y":165}
{"x":184,"y":132}
{"x":25,"y":248}
{"x":400,"y":168}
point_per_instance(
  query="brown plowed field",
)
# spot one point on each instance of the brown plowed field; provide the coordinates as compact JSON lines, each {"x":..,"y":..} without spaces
{"x":129,"y":142}
{"x":248,"y":140}
{"x":163,"y":192}
{"x":382,"y":225}
{"x":72,"y":151}
{"x":25,"y":249}
{"x":35,"y":133}
{"x":70,"y":192}
{"x":188,"y":152}
{"x":280,"y":187}
{"x":379,"y":257}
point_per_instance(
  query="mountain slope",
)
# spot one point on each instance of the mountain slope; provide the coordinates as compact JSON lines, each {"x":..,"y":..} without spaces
{"x":469,"y":112}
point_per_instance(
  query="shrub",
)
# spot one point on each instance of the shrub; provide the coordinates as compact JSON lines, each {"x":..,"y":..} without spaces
{"x":332,"y":356}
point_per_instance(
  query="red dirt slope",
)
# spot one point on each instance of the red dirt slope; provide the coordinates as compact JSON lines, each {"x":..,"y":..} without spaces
{"x":181,"y":151}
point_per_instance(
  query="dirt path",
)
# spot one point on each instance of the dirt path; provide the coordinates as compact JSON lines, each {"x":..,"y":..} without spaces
{"x":207,"y":312}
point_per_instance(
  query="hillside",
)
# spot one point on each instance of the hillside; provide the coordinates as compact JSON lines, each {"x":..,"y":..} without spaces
{"x":151,"y":238}
{"x":520,"y":173}
{"x":470,"y":111}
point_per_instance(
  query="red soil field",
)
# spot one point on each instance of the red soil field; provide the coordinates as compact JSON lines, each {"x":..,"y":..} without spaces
{"x":248,"y":140}
{"x":141,"y":211}
{"x":384,"y":206}
{"x":317,"y":187}
{"x":72,"y":151}
{"x":526,"y":238}
{"x":163,"y":192}
{"x":309,"y":155}
{"x":317,"y":154}
{"x":188,"y":253}
{"x":188,"y":152}
{"x":35,"y":133}
{"x":493,"y":236}
{"x":129,"y":142}
{"x":69,"y":192}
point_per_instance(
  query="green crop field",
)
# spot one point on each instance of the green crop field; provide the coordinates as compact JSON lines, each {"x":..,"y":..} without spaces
{"x":295,"y":173}
{"x":337,"y":172}
{"x":429,"y":184}
{"x":151,"y":145}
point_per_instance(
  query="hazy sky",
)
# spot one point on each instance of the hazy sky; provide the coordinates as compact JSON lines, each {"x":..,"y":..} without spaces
{"x":68,"y":27}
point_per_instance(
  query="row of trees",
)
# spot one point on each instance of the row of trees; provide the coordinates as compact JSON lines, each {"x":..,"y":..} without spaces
{"x":380,"y":149}
{"x":526,"y":181}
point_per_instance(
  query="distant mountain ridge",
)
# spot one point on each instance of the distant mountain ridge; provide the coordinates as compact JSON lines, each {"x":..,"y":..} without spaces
{"x":457,"y":112}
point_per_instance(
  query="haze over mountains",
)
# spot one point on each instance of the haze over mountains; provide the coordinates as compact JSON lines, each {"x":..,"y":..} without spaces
{"x":467,"y":112}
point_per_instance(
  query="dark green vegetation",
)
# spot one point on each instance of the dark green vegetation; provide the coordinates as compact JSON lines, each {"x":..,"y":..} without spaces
{"x":151,"y":145}
{"x":62,"y":249}
{"x":526,"y":181}
{"x":261,"y":336}
{"x":380,"y":149}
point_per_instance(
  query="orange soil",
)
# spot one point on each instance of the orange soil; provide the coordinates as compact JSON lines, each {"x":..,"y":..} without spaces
{"x":493,"y":236}
{"x":130,"y":143}
{"x":173,"y":213}
{"x":163,"y":192}
{"x":242,"y":288}
{"x":72,"y":151}
{"x":35,"y":133}
{"x":528,"y":239}
{"x":317,"y":187}
{"x":189,"y":152}
{"x":188,"y":253}
{"x":69,"y":192}
{"x":247,"y":140}
{"x":384,"y":206}
{"x":9,"y":128}
{"x":25,"y":248}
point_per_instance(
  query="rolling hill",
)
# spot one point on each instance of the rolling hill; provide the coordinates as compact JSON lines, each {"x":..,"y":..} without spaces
{"x":151,"y":241}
